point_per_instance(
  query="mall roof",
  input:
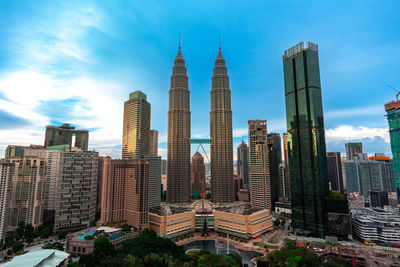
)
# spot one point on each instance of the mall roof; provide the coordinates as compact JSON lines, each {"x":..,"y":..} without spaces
{"x":38,"y":258}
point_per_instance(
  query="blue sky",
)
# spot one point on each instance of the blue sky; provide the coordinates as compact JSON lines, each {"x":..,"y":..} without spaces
{"x":77,"y":62}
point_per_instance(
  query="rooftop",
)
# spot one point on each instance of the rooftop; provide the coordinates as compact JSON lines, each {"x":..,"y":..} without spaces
{"x":38,"y":258}
{"x":392,"y":105}
{"x":298,"y":48}
{"x":167,"y":210}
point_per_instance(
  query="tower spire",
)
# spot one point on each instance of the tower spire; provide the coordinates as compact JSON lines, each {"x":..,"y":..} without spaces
{"x":219,"y":41}
{"x":179,"y":41}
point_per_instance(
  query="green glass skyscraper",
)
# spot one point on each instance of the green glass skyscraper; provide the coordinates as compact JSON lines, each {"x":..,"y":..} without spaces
{"x":393,"y":117}
{"x":306,"y":139}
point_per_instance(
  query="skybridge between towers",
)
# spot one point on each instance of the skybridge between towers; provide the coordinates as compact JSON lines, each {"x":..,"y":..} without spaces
{"x":200,"y":143}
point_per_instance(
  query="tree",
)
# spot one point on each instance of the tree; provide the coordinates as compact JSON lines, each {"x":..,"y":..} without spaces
{"x":29,"y":233}
{"x":19,"y":232}
{"x":204,"y":232}
{"x":17,"y":247}
{"x":62,"y":234}
{"x":103,"y":247}
{"x":208,"y":196}
{"x":126,"y":227}
{"x":277,"y":222}
{"x":283,"y":221}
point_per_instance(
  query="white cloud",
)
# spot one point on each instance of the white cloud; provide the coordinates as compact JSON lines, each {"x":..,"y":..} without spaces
{"x":347,"y":132}
{"x":240,"y":132}
{"x":162,"y":152}
{"x":100,"y":107}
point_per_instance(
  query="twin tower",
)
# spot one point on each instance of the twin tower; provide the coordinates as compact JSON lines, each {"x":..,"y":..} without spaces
{"x":178,"y":179}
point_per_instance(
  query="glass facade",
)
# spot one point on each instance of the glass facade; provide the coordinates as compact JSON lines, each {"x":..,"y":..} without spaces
{"x":306,"y":140}
{"x":393,"y":117}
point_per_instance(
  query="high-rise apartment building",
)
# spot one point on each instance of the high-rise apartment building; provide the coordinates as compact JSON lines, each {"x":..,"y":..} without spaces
{"x":75,"y":189}
{"x":353,"y":149}
{"x":243,"y":164}
{"x":125,"y":193}
{"x":115,"y":173}
{"x":66,"y":135}
{"x":393,"y":116}
{"x":335,"y":172}
{"x":198,"y":175}
{"x":178,"y":177}
{"x":22,"y":151}
{"x":275,"y":159}
{"x":6,"y":175}
{"x":221,"y":135}
{"x":306,"y":140}
{"x":136,"y":126}
{"x":99,"y":182}
{"x":153,"y":143}
{"x":260,"y":181}
{"x":27,"y":192}
{"x":137,"y":196}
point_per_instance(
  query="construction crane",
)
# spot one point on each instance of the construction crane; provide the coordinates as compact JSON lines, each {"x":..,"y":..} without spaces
{"x":398,"y":93}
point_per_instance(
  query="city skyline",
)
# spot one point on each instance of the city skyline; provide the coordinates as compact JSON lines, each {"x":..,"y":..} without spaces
{"x":61,"y":85}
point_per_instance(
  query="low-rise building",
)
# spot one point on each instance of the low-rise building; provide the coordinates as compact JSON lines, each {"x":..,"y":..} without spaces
{"x":242,"y":221}
{"x":376,"y":225}
{"x":283,"y":208}
{"x":42,"y":257}
{"x":82,"y":242}
{"x":168,"y":221}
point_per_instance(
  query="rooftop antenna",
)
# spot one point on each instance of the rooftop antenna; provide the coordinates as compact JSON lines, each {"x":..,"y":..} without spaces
{"x":398,"y":93}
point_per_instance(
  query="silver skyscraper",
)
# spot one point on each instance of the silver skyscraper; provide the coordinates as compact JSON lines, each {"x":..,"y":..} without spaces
{"x":178,"y":177}
{"x":221,"y":135}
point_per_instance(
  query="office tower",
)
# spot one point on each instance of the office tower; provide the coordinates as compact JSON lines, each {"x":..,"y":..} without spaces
{"x":238,"y":186}
{"x":243,"y":163}
{"x":154,"y":180}
{"x":306,"y":141}
{"x":282,"y":189}
{"x":221,"y":135}
{"x":6,"y":176}
{"x":178,"y":177}
{"x":353,"y":149}
{"x":75,"y":189}
{"x":275,"y":159}
{"x":164,"y":166}
{"x":287,"y":170}
{"x":198,"y":176}
{"x":392,"y":113}
{"x":153,"y":143}
{"x":364,"y":174}
{"x":378,"y":199}
{"x":125,"y":191}
{"x":28,"y":182}
{"x":343,"y":161}
{"x":137,"y":195}
{"x":136,"y":126}
{"x":335,"y":171}
{"x":66,"y":135}
{"x":384,"y":168}
{"x":260,"y":183}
